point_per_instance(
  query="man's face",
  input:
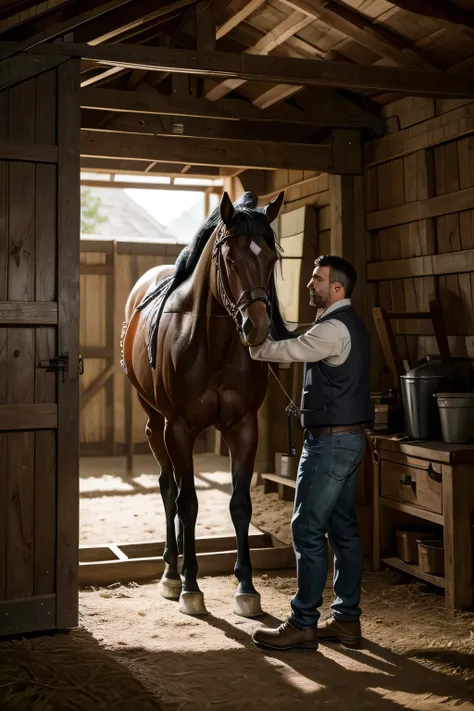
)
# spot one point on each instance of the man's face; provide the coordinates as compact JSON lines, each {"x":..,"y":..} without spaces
{"x":320,"y":287}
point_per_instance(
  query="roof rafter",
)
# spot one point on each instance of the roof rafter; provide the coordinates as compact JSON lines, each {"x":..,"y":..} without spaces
{"x":238,"y":17}
{"x":305,"y":72}
{"x":279,"y":34}
{"x":362,"y":30}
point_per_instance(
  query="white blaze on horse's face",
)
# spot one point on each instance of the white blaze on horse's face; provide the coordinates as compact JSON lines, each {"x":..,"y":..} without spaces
{"x":255,"y":248}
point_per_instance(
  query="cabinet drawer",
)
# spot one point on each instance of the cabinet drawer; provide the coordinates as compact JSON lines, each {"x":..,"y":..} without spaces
{"x":417,"y":483}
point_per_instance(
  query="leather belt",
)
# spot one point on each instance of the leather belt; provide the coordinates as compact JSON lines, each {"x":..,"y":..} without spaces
{"x":333,"y":429}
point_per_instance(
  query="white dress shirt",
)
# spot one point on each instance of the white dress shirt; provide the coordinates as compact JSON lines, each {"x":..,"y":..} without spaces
{"x":329,"y":341}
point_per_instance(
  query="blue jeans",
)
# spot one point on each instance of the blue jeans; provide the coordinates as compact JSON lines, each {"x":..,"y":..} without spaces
{"x":326,"y":498}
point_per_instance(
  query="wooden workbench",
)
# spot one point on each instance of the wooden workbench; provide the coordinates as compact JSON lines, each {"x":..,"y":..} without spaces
{"x":434,"y":482}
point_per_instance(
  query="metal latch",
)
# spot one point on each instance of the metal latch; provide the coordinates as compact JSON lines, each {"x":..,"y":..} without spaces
{"x":59,"y":363}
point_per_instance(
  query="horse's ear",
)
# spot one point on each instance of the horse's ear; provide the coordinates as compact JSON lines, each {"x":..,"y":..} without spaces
{"x":227,"y":210}
{"x":273,"y":207}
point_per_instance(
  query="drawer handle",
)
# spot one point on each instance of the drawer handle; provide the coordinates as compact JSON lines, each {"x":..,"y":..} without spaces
{"x":408,"y":481}
{"x":433,"y":474}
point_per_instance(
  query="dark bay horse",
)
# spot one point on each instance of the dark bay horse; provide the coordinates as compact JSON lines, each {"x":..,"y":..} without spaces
{"x":220,"y":298}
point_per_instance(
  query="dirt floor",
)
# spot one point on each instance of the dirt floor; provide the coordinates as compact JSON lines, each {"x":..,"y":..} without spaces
{"x":134,"y":649}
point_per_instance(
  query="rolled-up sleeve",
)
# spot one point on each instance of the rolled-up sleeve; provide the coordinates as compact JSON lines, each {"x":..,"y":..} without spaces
{"x":318,"y":343}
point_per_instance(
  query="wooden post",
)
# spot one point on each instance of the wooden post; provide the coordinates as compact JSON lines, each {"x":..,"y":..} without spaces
{"x":111,"y":360}
{"x":457,"y":512}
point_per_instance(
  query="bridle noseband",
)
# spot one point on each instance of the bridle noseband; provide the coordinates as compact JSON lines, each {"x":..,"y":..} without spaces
{"x":247,"y":297}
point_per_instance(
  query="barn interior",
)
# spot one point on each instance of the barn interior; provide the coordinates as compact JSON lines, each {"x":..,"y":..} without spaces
{"x":362,"y":112}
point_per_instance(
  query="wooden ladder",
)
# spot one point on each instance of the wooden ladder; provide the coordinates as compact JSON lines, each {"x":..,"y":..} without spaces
{"x":388,"y":343}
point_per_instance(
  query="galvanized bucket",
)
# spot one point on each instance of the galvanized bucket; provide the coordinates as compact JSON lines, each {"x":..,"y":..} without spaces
{"x":456,"y":412}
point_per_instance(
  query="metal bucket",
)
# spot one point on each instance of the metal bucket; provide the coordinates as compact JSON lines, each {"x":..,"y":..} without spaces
{"x":456,"y":412}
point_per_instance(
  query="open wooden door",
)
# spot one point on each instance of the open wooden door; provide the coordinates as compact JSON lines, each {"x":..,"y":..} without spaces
{"x":39,"y":323}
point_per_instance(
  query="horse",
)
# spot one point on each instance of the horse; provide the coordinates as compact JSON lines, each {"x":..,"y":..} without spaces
{"x":189,"y":361}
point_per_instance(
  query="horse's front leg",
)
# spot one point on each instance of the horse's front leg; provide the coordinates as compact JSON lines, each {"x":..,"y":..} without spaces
{"x":242,"y":441}
{"x":179,"y":443}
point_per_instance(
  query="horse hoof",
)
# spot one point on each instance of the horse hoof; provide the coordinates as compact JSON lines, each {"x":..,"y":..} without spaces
{"x":170,"y":589}
{"x":192,"y":603}
{"x":248,"y":605}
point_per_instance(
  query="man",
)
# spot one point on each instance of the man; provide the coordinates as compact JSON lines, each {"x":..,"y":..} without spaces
{"x":335,"y":405}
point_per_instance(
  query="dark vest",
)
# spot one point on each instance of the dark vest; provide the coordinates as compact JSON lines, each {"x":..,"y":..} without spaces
{"x":340,"y":395}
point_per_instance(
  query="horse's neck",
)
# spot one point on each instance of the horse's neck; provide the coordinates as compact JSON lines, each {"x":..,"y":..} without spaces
{"x":195,"y":294}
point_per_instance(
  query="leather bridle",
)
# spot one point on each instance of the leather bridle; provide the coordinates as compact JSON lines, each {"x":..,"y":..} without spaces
{"x":247,"y":297}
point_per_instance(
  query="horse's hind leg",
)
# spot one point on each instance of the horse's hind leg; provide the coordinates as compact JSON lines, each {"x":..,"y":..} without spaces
{"x":170,"y":584}
{"x":179,"y":443}
{"x":242,"y":442}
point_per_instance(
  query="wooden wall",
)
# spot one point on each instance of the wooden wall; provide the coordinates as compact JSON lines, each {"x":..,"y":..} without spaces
{"x":419,"y":184}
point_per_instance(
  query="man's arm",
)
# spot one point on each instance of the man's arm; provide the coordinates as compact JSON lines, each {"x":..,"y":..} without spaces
{"x":318,"y":343}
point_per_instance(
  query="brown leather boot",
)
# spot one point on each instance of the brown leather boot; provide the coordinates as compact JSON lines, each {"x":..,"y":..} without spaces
{"x":347,"y":633}
{"x":286,"y":636}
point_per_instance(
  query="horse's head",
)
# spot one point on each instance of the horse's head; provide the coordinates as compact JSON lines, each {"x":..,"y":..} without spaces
{"x":245,"y":254}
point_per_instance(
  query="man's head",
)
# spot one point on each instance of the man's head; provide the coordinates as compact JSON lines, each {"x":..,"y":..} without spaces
{"x":333,"y":279}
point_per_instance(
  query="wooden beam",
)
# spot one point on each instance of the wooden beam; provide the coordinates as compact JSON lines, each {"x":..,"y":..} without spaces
{"x":14,"y":71}
{"x":328,"y":109}
{"x":205,"y":25}
{"x":177,"y":149}
{"x":28,"y":417}
{"x":131,"y":185}
{"x":422,"y":209}
{"x":305,"y":72}
{"x":362,"y":30}
{"x":238,"y":17}
{"x":129,"y":18}
{"x":29,"y":313}
{"x":448,"y":127}
{"x":430,"y":265}
{"x":202,"y":128}
{"x":137,"y":167}
{"x":278,"y":35}
{"x":63,"y":28}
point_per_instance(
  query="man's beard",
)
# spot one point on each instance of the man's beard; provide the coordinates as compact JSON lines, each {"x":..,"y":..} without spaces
{"x":314,"y":299}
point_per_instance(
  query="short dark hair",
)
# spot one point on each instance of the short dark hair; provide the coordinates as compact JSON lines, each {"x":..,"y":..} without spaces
{"x":339,"y":270}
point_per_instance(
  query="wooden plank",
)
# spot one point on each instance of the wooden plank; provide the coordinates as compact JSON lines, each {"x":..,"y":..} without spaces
{"x":448,"y":127}
{"x":283,"y":480}
{"x":68,"y":340}
{"x":280,"y":70}
{"x":24,"y":152}
{"x":30,"y":614}
{"x":433,"y":451}
{"x":45,"y":512}
{"x":28,"y":417}
{"x":3,"y":513}
{"x":214,"y":563}
{"x":62,"y":28}
{"x":237,"y":17}
{"x":126,"y":185}
{"x":105,"y":245}
{"x":29,"y":313}
{"x":431,"y":265}
{"x":415,"y":571}
{"x":205,"y":25}
{"x":20,"y":515}
{"x":458,"y":510}
{"x":422,"y":209}
{"x":330,"y":109}
{"x":412,"y":510}
{"x":97,"y":269}
{"x":209,"y":152}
